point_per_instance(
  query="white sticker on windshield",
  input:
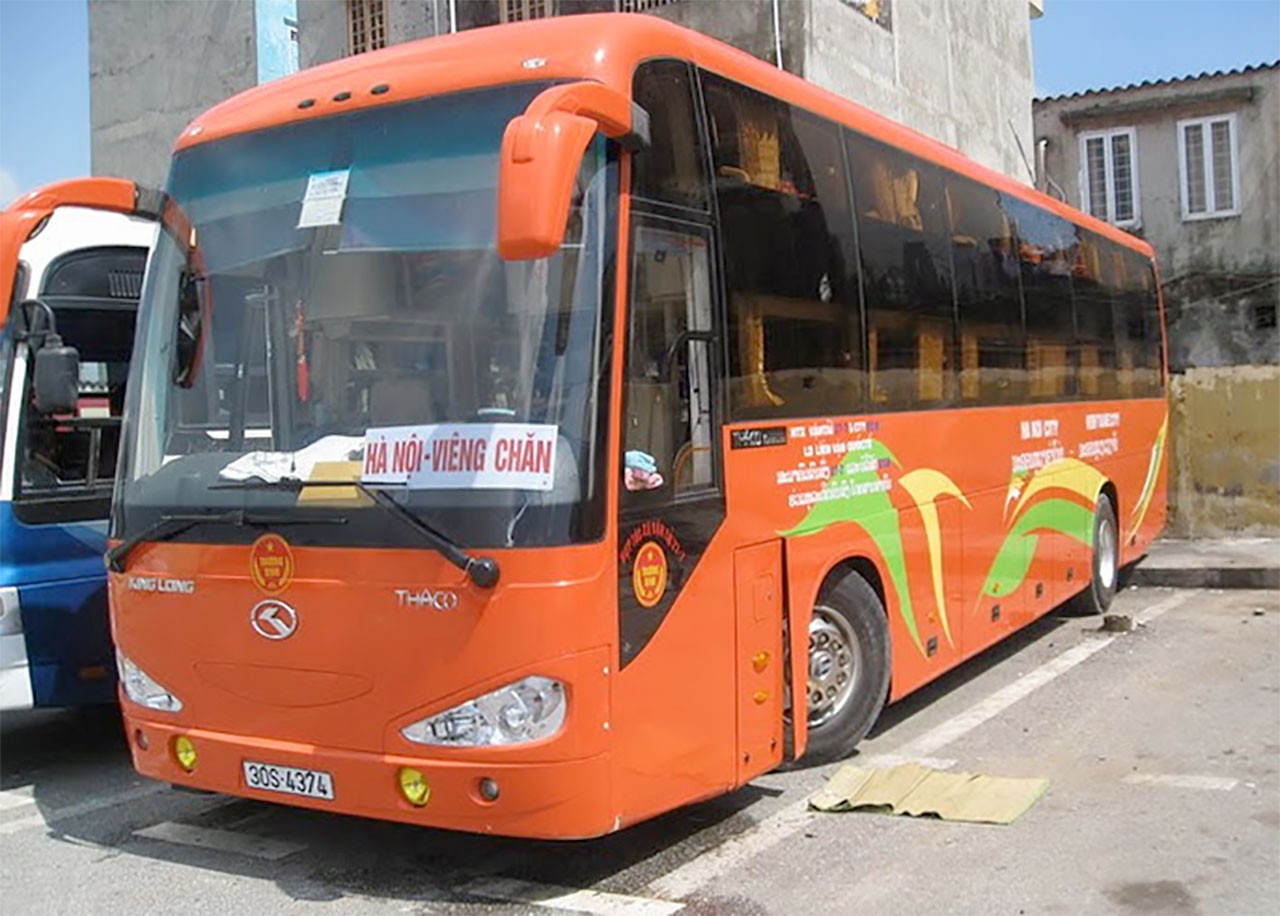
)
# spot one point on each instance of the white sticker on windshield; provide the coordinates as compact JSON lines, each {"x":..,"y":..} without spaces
{"x":322,"y":204}
{"x":463,"y":456}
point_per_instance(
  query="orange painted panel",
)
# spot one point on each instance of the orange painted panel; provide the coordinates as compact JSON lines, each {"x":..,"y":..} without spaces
{"x":757,"y":572}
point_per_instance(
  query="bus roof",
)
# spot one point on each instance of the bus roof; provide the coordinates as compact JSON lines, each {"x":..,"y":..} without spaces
{"x":605,"y":47}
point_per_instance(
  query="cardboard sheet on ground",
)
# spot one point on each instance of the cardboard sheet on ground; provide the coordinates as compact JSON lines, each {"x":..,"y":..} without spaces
{"x":920,"y":791}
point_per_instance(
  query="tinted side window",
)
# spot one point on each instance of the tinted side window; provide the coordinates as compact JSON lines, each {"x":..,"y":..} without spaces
{"x":904,"y":245}
{"x":793,"y":321}
{"x":1137,"y":326}
{"x":1093,"y":279}
{"x":671,"y":170}
{"x":993,"y":367}
{"x":1047,"y":251}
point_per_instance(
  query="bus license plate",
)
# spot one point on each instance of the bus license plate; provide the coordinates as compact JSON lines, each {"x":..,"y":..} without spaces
{"x":288,"y":780}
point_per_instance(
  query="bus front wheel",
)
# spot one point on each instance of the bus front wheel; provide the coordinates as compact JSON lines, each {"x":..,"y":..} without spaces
{"x":848,"y":668}
{"x":1105,"y":565}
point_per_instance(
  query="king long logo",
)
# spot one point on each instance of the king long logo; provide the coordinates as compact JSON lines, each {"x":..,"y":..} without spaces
{"x":272,"y":619}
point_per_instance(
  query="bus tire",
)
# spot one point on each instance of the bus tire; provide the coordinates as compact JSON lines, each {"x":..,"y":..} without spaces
{"x":1104,"y":565}
{"x":848,"y":668}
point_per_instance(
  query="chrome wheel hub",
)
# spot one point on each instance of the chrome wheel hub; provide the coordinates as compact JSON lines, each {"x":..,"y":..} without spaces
{"x":1107,"y":553}
{"x":833,"y":665}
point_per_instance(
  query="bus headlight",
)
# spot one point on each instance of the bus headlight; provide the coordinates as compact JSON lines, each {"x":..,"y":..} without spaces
{"x":142,"y":689}
{"x":528,"y":710}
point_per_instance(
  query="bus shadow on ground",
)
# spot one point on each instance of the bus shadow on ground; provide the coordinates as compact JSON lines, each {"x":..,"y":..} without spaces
{"x":48,"y":745}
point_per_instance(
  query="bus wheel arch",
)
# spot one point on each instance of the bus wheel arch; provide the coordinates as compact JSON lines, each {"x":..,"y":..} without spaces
{"x":849,"y":660}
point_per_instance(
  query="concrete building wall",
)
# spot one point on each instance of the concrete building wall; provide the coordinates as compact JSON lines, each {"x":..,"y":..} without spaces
{"x":953,"y":69}
{"x":322,"y":31}
{"x":956,"y":70}
{"x":1224,"y":456}
{"x":152,"y":68}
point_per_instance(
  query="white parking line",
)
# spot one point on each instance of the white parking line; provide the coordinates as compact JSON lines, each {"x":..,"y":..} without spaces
{"x":694,"y":874}
{"x":1176,"y":781}
{"x":567,"y":898}
{"x":77,"y":810}
{"x":221,"y":840}
{"x":11,"y":799}
{"x":887,"y":761}
{"x":698,"y":872}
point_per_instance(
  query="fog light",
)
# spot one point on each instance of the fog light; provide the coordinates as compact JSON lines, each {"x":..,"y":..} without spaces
{"x":413,"y":785}
{"x":489,"y":789}
{"x":140,"y":737}
{"x":184,"y":752}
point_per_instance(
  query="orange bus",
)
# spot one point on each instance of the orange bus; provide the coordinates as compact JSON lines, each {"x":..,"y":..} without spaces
{"x":539,"y":428}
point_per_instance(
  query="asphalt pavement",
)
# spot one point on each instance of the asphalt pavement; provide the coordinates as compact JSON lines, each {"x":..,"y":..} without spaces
{"x":1162,"y":746}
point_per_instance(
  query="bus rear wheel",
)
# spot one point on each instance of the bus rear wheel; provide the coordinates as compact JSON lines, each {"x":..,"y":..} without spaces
{"x":1104,"y":570}
{"x":848,"y":668}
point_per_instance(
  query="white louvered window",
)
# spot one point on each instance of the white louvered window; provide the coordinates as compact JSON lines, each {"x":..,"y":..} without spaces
{"x":1109,"y":175}
{"x":639,"y":6}
{"x":1209,"y":167}
{"x":366,"y":25}
{"x":520,"y":10}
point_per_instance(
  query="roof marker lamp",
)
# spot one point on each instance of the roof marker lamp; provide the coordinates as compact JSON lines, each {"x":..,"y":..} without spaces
{"x":531,"y":709}
{"x":142,"y":689}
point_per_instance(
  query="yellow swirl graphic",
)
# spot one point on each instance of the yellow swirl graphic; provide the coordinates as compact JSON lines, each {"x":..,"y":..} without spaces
{"x":1064,"y":474}
{"x":1149,"y":485}
{"x":925,"y":485}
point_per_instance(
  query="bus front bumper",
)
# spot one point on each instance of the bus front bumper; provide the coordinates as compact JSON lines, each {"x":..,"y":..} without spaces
{"x":559,"y":800}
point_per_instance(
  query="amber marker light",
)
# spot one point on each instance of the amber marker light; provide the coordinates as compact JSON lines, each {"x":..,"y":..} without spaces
{"x":184,"y":751}
{"x":414,"y":787}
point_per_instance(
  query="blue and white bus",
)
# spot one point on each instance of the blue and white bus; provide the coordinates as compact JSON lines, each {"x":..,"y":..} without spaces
{"x":83,"y":267}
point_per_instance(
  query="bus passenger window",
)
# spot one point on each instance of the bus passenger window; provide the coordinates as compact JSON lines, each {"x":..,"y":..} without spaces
{"x":904,"y":245}
{"x":1137,"y":326}
{"x":1091,"y":283}
{"x":670,"y":170}
{"x":795,"y":333}
{"x":1047,"y":252}
{"x":988,"y":294}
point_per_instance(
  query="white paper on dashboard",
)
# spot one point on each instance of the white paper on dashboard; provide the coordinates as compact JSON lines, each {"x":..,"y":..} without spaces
{"x":271,"y":467}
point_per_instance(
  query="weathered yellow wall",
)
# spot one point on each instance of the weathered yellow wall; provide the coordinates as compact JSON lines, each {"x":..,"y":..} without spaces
{"x":1224,"y":470}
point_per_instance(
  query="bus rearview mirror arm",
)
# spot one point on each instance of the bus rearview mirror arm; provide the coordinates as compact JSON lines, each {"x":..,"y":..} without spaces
{"x":541,"y":154}
{"x":55,"y":385}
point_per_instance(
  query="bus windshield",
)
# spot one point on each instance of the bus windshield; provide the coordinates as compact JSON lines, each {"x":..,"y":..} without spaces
{"x":344,"y":287}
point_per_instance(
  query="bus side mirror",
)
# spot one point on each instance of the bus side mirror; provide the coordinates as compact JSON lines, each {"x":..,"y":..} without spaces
{"x":56,"y":386}
{"x":541,"y":154}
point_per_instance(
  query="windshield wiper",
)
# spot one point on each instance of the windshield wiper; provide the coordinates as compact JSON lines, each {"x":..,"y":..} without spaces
{"x":483,"y":571}
{"x":168,"y":527}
